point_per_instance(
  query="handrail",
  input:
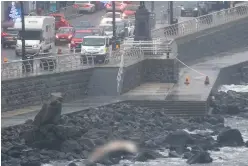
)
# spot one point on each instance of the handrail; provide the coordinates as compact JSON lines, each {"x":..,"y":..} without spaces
{"x":203,"y":22}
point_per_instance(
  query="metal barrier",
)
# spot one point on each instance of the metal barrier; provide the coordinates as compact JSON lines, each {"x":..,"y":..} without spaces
{"x":157,"y":47}
{"x":44,"y":65}
{"x":202,"y":22}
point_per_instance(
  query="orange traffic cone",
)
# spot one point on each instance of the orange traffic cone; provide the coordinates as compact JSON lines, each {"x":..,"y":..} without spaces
{"x":59,"y":51}
{"x":5,"y":59}
{"x":186,"y":81}
{"x":206,"y":82}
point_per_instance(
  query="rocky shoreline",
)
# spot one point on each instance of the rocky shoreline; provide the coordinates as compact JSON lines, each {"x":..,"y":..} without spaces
{"x":68,"y":137}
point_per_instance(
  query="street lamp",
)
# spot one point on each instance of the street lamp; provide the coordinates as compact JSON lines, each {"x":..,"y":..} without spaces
{"x":23,"y":30}
{"x":114,"y":27}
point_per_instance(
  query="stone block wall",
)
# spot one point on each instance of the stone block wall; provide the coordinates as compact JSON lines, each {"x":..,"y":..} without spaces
{"x":132,"y":76}
{"x":160,"y":70}
{"x":31,"y":91}
{"x":211,"y":42}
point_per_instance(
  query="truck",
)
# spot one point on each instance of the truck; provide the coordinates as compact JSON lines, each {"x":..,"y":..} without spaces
{"x":39,"y":34}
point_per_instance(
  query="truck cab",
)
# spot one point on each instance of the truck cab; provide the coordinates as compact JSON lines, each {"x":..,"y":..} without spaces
{"x":96,"y":48}
{"x":39,"y":34}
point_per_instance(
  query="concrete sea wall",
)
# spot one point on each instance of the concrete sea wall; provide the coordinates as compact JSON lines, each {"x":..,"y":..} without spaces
{"x":98,"y":81}
{"x":231,"y":75}
{"x":226,"y":38}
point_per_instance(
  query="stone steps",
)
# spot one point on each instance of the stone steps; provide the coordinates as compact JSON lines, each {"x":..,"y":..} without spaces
{"x":175,"y":108}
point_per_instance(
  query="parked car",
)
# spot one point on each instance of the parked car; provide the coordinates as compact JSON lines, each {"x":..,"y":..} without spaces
{"x":64,"y":35}
{"x":60,"y":20}
{"x":78,"y":38}
{"x":9,"y":37}
{"x":108,"y":18}
{"x":85,"y":6}
{"x":99,"y":5}
{"x":84,"y":25}
{"x":130,"y":11}
{"x":97,"y":31}
{"x":119,"y":6}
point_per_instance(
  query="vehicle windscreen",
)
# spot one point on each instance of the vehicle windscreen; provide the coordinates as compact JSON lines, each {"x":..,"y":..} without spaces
{"x":12,"y":32}
{"x":110,"y":15}
{"x":132,"y":8}
{"x":57,"y":18}
{"x":108,"y":28}
{"x":82,"y":34}
{"x":30,"y":35}
{"x":189,"y":4}
{"x":93,"y":42}
{"x":65,"y":30}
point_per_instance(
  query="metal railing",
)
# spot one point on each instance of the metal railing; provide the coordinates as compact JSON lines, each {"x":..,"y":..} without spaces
{"x":49,"y":63}
{"x":44,"y":65}
{"x":202,"y":22}
{"x":158,"y":47}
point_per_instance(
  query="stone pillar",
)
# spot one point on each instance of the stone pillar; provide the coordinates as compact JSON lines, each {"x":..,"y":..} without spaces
{"x":142,"y":24}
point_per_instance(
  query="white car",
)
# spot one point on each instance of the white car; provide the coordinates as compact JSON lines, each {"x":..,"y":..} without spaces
{"x":108,"y":18}
{"x":85,"y":6}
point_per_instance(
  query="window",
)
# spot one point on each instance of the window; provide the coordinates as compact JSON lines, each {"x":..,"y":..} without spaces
{"x":94,"y":41}
{"x":30,"y":35}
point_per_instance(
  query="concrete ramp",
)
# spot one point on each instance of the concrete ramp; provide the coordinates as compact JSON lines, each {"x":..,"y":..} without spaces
{"x":103,"y":82}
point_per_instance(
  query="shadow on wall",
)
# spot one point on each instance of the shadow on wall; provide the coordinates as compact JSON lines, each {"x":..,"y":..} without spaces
{"x":214,"y":41}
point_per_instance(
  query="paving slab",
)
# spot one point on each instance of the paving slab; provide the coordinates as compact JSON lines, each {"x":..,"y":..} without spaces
{"x":196,"y":90}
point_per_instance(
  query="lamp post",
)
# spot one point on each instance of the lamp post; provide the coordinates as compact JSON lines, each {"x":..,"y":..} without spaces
{"x":23,"y":31}
{"x":114,"y":27}
{"x":171,"y":12}
{"x":152,"y":6}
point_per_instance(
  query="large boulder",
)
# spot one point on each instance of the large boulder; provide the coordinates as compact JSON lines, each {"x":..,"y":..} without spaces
{"x":179,"y":138}
{"x":148,"y":155}
{"x":230,"y":137}
{"x":50,"y":112}
{"x":200,"y":157}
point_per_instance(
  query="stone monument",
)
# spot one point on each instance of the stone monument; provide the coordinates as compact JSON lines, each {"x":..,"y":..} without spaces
{"x":142,"y":23}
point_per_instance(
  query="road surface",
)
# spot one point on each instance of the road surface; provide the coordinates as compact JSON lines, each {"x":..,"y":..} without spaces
{"x":95,"y":18}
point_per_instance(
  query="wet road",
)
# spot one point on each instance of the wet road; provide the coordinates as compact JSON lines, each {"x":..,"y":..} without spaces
{"x":95,"y":18}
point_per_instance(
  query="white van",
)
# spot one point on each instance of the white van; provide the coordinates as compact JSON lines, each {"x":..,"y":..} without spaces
{"x":97,"y":47}
{"x":39,"y":34}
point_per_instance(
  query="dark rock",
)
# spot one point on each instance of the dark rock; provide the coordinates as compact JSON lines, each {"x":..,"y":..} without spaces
{"x":200,"y":157}
{"x":70,"y":146}
{"x":230,"y":137}
{"x":187,"y":155}
{"x":205,"y":142}
{"x":72,"y":164}
{"x":233,"y":109}
{"x":179,"y":138}
{"x":50,"y":113}
{"x":148,"y":155}
{"x":88,"y":144}
{"x":246,"y":144}
{"x":174,"y":154}
{"x":31,"y":163}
